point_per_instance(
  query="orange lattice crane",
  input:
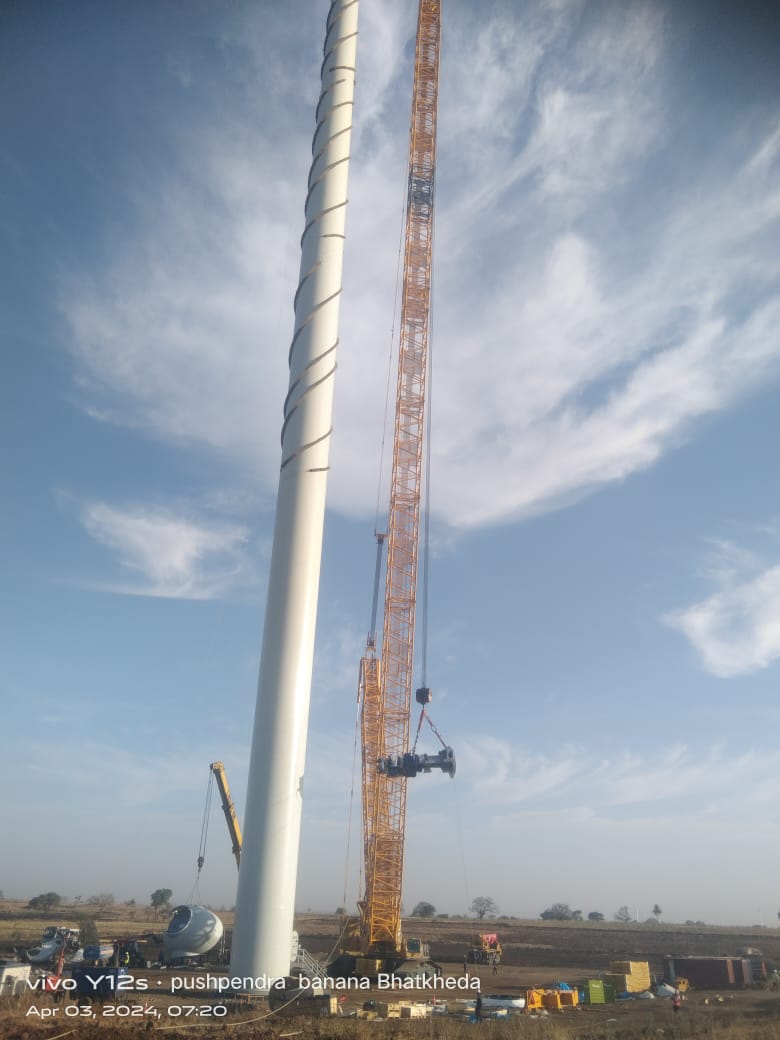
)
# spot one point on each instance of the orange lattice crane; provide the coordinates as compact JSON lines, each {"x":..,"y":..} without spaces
{"x":386,"y":681}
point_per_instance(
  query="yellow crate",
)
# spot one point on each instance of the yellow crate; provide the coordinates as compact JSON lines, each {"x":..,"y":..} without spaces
{"x":551,"y":999}
{"x":627,"y":983}
{"x":533,"y":999}
{"x":630,"y":968}
{"x":569,"y":997}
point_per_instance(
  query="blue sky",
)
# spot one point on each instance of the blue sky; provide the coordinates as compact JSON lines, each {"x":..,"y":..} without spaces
{"x":605,"y":574}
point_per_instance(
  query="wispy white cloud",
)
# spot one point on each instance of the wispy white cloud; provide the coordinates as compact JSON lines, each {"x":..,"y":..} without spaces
{"x":736,"y":629}
{"x":168,"y":555}
{"x":337,"y":656}
{"x":139,"y":776}
{"x":584,"y":334}
{"x":665,"y":783}
{"x":585,"y":375}
{"x":627,"y":812}
{"x":156,"y":790}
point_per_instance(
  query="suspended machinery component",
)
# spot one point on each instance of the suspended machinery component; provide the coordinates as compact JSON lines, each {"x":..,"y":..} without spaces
{"x":192,"y":931}
{"x":410,"y":764}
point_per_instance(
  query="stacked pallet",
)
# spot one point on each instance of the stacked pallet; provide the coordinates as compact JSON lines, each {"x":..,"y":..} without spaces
{"x":401,"y":1009}
{"x":314,"y":1006}
{"x":416,"y":1010}
{"x":629,"y":976}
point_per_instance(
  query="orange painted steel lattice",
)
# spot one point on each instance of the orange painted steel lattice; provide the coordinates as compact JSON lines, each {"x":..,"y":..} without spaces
{"x":386,"y":688}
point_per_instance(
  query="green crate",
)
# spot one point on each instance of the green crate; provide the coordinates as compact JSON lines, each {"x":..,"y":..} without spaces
{"x":594,"y":991}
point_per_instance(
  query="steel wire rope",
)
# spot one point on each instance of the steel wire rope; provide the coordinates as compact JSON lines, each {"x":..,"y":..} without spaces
{"x":220,"y":1022}
{"x":426,"y":541}
{"x":337,"y":944}
{"x":390,"y":355}
{"x":427,"y":496}
{"x":351,"y":804}
{"x":204,"y":833}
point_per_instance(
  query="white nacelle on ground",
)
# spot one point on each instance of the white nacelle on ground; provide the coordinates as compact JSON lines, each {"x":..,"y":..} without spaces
{"x":192,"y":931}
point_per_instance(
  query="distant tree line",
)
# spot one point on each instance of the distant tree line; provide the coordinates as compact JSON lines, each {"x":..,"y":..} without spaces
{"x":563,"y":912}
{"x":45,"y":901}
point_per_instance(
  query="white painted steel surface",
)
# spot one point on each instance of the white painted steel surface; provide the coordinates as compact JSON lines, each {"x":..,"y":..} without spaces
{"x":269,"y":858}
{"x":192,"y":931}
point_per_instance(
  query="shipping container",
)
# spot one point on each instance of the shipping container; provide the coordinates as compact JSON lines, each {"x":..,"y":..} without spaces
{"x":705,"y":972}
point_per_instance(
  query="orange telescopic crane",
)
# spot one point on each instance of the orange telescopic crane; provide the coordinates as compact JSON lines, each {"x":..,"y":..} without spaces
{"x":386,"y":682}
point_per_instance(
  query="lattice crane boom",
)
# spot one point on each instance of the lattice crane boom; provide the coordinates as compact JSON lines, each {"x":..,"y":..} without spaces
{"x":386,"y":683}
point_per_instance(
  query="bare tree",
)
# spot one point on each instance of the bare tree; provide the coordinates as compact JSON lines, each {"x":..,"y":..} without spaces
{"x":45,"y":901}
{"x":102,"y":901}
{"x":484,"y":906}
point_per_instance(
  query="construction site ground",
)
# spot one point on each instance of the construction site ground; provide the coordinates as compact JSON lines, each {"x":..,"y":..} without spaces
{"x":536,"y":954}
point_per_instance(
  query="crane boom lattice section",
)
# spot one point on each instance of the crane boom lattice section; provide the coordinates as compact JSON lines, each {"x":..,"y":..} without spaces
{"x":386,"y":688}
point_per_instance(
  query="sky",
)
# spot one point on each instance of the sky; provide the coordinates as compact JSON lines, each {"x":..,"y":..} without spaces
{"x":604,"y":620}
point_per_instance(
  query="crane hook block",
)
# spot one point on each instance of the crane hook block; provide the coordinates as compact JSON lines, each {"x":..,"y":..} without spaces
{"x":410,"y":764}
{"x":423,"y":695}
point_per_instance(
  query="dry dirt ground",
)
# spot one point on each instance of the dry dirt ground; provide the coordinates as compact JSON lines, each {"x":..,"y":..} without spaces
{"x":535,"y":954}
